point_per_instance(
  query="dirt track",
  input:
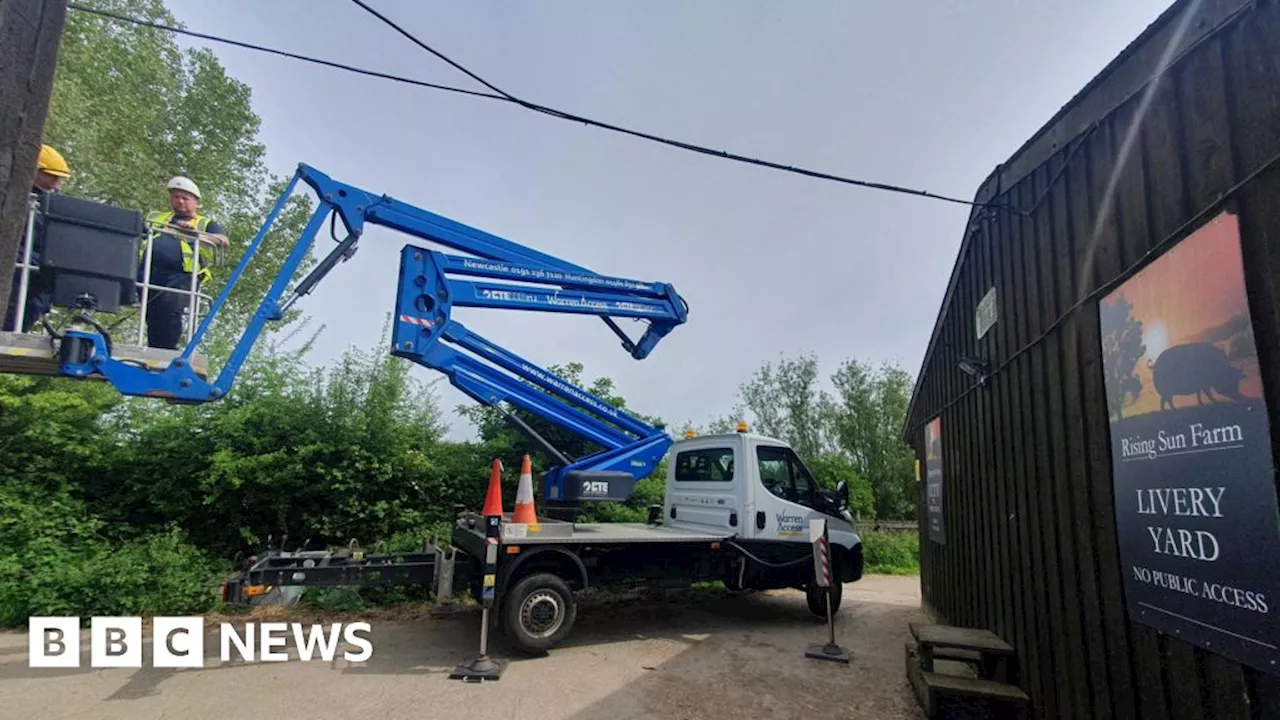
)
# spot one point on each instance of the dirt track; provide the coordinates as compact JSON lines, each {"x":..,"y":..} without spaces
{"x":739,"y":657}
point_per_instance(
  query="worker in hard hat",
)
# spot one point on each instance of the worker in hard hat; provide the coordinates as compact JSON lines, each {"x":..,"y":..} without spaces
{"x":51,"y":171}
{"x":182,"y":232}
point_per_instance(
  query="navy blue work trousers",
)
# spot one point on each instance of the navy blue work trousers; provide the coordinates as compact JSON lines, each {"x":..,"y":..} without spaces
{"x":165,"y":310}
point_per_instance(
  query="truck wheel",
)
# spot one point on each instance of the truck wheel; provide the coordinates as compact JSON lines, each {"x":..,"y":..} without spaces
{"x":817,"y":598}
{"x":538,"y":612}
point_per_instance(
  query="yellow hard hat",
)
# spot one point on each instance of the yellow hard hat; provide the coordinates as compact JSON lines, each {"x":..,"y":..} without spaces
{"x":51,"y":161}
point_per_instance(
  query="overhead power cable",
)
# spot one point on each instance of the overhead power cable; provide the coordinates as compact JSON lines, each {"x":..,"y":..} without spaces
{"x":505,"y":97}
{"x":433,"y":51}
{"x":283,"y":53}
{"x":667,"y":141}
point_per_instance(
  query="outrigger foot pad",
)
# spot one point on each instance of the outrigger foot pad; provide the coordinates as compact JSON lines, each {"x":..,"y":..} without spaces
{"x":479,"y":670}
{"x":829,"y":651}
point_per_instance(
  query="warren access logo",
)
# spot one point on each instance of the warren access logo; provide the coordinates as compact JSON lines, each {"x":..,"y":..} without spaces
{"x":178,"y":642}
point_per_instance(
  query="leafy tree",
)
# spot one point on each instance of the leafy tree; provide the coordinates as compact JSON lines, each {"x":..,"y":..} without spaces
{"x":832,"y":467}
{"x":865,"y":415}
{"x":850,"y":435}
{"x":1122,"y":347}
{"x":788,"y":405}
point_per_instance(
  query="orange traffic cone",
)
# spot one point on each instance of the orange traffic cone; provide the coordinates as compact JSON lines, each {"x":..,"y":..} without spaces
{"x":524,"y":496}
{"x":493,"y":500}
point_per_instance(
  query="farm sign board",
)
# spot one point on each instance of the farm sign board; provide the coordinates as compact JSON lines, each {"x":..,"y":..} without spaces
{"x":1195,"y":488}
{"x":933,"y":481}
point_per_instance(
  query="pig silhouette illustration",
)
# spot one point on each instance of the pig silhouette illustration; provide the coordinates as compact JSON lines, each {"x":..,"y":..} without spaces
{"x":1197,"y":369}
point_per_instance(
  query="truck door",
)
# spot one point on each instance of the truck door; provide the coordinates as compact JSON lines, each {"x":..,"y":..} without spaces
{"x":703,"y":491}
{"x":785,"y":498}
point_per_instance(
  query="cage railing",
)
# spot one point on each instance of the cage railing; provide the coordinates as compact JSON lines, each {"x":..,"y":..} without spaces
{"x":197,"y":300}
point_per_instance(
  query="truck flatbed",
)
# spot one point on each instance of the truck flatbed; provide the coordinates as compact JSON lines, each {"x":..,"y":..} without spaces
{"x":561,"y":532}
{"x":635,"y":532}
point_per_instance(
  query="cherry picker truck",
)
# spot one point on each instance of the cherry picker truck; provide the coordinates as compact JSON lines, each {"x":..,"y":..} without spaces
{"x":736,"y":507}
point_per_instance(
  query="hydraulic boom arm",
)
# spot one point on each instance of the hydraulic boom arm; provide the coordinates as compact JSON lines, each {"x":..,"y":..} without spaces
{"x":431,"y":284}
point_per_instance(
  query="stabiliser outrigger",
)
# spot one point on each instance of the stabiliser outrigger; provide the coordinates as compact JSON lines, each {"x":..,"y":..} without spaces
{"x":738,"y":508}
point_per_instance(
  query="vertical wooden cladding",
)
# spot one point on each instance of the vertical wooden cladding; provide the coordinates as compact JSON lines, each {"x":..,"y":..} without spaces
{"x":1128,"y":166}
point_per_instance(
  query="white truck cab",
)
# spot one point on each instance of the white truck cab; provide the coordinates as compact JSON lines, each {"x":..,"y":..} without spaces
{"x":756,"y":489}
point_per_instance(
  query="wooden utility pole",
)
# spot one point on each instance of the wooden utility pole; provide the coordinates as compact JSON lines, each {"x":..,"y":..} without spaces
{"x":30,"y":31}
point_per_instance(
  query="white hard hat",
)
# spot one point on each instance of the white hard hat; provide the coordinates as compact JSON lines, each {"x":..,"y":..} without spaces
{"x":183,"y":183}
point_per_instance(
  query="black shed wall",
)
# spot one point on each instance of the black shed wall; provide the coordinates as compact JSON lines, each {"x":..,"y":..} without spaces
{"x":1134,"y":163}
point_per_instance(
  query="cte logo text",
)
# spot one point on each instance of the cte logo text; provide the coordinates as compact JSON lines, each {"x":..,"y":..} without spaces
{"x":178,"y":642}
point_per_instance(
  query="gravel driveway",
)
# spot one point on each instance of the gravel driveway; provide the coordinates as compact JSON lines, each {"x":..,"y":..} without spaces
{"x":735,"y":658}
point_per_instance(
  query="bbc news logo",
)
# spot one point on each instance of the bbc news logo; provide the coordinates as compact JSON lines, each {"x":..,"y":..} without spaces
{"x":178,"y":642}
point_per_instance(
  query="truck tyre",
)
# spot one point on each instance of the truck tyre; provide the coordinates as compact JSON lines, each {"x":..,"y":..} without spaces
{"x":538,"y":612}
{"x":817,"y":598}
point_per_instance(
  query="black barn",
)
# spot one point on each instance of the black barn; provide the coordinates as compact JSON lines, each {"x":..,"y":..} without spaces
{"x":1100,"y":489}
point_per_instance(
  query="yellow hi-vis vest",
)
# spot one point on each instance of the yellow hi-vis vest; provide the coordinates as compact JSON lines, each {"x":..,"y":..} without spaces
{"x":157,"y":220}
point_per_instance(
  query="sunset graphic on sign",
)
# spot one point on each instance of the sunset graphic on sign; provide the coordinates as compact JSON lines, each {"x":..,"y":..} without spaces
{"x":1178,"y":333}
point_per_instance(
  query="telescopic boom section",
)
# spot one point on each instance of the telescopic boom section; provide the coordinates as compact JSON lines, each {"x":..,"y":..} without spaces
{"x":496,"y":273}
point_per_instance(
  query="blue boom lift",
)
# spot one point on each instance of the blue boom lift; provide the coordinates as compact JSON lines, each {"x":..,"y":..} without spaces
{"x":425,"y":332}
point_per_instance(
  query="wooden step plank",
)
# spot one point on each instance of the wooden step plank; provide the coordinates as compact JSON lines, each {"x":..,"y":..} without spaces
{"x":943,"y":652}
{"x":949,"y":653}
{"x":957,"y":654}
{"x":977,"y":639}
{"x":31,"y":354}
{"x":975,"y":687}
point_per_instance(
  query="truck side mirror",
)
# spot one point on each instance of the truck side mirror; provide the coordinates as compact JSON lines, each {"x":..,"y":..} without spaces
{"x":842,"y":494}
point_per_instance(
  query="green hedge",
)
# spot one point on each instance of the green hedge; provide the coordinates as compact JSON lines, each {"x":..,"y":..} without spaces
{"x":891,"y":553}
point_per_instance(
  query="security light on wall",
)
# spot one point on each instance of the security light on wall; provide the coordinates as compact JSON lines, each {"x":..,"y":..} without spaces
{"x":975,"y":367}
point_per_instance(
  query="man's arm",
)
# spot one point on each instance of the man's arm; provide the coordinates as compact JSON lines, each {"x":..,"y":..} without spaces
{"x":212,"y":233}
{"x":215,"y":233}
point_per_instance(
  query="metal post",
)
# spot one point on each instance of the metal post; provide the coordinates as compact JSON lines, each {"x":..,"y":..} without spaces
{"x":446,"y":558}
{"x":822,"y":579}
{"x":483,"y":667}
{"x":831,"y":626}
{"x":143,"y":340}
{"x":197,"y":243}
{"x":24,"y":283}
{"x":484,"y":641}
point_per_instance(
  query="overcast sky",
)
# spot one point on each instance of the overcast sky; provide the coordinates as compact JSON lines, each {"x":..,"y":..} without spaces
{"x":930,"y":95}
